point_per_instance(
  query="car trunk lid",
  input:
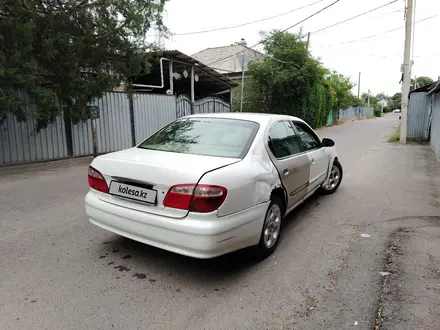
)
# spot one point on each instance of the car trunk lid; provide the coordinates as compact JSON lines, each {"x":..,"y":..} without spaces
{"x":153,"y":172}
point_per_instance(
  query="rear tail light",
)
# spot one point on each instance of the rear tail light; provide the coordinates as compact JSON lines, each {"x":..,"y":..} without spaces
{"x":195,"y":198}
{"x":97,"y":181}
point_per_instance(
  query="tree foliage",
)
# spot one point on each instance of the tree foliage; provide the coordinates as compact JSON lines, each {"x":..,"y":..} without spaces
{"x":290,"y":81}
{"x":65,"y":53}
{"x":421,"y":81}
{"x":395,"y":101}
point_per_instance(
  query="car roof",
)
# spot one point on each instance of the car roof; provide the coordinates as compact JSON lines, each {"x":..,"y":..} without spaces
{"x":261,"y":118}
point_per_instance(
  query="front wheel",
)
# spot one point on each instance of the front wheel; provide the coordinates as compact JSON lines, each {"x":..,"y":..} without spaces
{"x":334,"y":179}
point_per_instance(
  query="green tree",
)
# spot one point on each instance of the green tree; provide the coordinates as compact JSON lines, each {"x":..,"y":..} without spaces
{"x":421,"y":81}
{"x":395,"y":101}
{"x":64,"y":53}
{"x":289,"y":81}
{"x":341,"y":86}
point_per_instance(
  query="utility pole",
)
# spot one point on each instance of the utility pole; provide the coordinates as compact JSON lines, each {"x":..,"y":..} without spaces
{"x":406,"y":70}
{"x":242,"y":82}
{"x":308,"y":42}
{"x":359,"y":85}
{"x":413,"y":71}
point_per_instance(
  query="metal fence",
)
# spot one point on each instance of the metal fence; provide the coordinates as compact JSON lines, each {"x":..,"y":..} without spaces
{"x":353,"y":112}
{"x":152,"y":112}
{"x":20,"y":143}
{"x":418,"y":112}
{"x":207,"y":105}
{"x":211,"y":105}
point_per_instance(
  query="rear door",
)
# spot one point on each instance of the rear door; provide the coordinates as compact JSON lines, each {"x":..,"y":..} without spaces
{"x":292,"y":164}
{"x":318,"y":157}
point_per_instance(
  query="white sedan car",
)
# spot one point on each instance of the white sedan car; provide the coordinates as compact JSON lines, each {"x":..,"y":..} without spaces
{"x":209,"y":184}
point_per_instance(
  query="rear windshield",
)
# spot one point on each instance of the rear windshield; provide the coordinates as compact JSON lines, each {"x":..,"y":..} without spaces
{"x":205,"y":136}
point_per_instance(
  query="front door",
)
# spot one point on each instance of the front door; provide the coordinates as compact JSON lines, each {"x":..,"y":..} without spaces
{"x":292,"y":163}
{"x":318,"y":156}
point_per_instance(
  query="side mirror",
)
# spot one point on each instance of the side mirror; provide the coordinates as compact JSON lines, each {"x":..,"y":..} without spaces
{"x":327,"y":142}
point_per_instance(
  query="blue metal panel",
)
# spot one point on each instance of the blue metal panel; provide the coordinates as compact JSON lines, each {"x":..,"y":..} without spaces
{"x":435,"y":125}
{"x":418,"y":110}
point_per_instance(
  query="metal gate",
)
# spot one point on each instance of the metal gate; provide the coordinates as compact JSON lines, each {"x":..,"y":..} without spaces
{"x":206,"y":105}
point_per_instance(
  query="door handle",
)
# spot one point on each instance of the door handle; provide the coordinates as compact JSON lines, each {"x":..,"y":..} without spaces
{"x":286,"y":171}
{"x":312,"y":162}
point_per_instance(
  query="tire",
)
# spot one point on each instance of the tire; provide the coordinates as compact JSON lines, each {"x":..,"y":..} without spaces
{"x":330,"y":189}
{"x":269,"y":241}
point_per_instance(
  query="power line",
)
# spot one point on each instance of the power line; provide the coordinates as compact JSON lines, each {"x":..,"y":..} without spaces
{"x":356,"y":16}
{"x":386,"y":14}
{"x":378,"y":34}
{"x":305,"y":19}
{"x":279,"y":32}
{"x":245,"y":24}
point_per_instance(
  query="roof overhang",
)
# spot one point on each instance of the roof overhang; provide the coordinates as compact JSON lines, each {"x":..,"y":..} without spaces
{"x":429,"y":89}
{"x":208,"y":79}
{"x":435,"y":88}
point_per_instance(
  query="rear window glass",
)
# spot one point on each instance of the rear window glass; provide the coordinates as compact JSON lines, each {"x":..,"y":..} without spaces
{"x":205,"y":136}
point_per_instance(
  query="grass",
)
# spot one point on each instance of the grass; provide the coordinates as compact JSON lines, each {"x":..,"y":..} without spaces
{"x":396,"y":135}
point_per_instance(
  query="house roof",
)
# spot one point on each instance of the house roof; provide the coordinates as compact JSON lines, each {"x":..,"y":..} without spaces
{"x":435,"y":88}
{"x":227,"y":59}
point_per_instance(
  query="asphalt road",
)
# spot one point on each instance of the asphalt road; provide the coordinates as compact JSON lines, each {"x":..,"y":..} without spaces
{"x":60,"y":272}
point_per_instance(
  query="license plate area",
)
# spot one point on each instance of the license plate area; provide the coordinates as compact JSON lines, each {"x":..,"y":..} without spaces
{"x":133,"y":191}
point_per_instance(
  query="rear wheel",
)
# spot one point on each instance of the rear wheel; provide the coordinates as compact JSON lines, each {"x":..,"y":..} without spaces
{"x":271,"y":229}
{"x":334,"y":179}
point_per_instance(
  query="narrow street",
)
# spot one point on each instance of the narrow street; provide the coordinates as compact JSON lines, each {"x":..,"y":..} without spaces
{"x":60,"y":272}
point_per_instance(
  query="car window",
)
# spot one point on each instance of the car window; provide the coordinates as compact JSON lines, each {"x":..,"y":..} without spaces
{"x":283,"y":141}
{"x":205,"y":136}
{"x":310,"y":140}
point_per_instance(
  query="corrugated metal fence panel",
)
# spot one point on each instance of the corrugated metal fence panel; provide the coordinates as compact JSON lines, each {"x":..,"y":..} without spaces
{"x":152,"y":112}
{"x":435,"y":126}
{"x":347,"y":113}
{"x":352,"y":112}
{"x":418,"y":111}
{"x":20,"y":143}
{"x":82,"y":139}
{"x":367,"y":112}
{"x":113,"y":126}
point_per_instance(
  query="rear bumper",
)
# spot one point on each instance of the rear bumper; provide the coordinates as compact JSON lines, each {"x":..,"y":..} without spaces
{"x":199,"y":236}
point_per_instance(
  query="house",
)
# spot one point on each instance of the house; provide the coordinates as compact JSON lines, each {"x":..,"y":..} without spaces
{"x":229,"y":60}
{"x":423,"y":122}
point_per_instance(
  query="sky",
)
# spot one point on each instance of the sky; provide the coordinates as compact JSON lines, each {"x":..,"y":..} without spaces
{"x":379,"y":58}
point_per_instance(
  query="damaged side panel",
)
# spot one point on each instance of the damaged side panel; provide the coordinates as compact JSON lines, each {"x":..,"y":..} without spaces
{"x":333,"y":155}
{"x":250,"y":182}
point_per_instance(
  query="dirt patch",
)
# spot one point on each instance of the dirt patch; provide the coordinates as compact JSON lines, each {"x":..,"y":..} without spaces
{"x":410,"y":280}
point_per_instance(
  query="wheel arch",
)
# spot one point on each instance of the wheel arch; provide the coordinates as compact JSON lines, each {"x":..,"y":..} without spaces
{"x":280,"y":192}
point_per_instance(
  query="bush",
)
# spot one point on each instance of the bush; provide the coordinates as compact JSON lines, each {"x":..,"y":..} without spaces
{"x":396,"y":135}
{"x":377,"y":113}
{"x":387,"y":109}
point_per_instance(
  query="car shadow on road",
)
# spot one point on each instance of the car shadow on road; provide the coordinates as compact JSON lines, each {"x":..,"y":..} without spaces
{"x":144,"y":259}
